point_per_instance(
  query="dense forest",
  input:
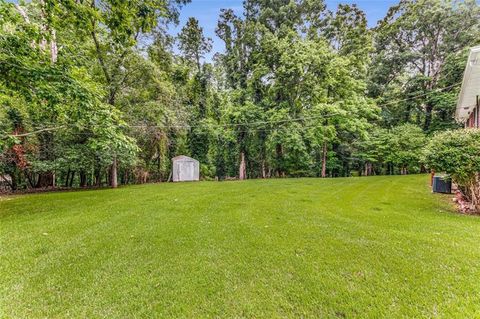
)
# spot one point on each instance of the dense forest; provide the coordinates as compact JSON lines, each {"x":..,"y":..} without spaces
{"x":99,"y":92}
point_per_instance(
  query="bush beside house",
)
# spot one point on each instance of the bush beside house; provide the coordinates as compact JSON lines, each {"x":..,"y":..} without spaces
{"x":457,"y":153}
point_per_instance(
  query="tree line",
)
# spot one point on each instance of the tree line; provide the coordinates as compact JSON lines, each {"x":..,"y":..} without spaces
{"x":96,"y":93}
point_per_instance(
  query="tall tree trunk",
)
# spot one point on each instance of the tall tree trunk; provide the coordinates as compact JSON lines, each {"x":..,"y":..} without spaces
{"x":14,"y":183}
{"x":324,"y":160}
{"x":72,"y":178}
{"x":110,"y":78}
{"x":53,"y":46}
{"x":67,"y":178}
{"x":98,"y":177}
{"x":83,"y":179}
{"x":45,"y":179}
{"x":243,"y":167}
{"x":22,"y":13}
{"x":264,"y":173}
{"x":199,"y":65}
{"x":280,"y":168}
{"x":46,"y":141}
{"x":428,"y":116}
{"x":113,"y":173}
{"x":43,"y":26}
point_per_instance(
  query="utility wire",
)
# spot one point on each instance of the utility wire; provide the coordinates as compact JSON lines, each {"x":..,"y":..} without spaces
{"x":184,"y":126}
{"x":420,"y":95}
{"x":235,"y":124}
{"x":46,"y":129}
{"x":242,"y":124}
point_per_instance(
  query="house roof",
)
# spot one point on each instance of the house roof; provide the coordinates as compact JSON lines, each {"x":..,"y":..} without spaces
{"x":470,"y":86}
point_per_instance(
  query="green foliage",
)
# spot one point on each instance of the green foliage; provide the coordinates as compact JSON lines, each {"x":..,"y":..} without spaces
{"x":347,"y":31}
{"x":392,"y":151}
{"x":455,"y":153}
{"x":405,"y":146}
{"x":421,"y":48}
{"x":287,"y":151}
{"x":193,"y":43}
{"x":89,"y":87}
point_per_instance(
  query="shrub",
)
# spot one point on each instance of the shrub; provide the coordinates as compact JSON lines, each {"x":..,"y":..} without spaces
{"x":405,"y":148}
{"x":457,"y":153}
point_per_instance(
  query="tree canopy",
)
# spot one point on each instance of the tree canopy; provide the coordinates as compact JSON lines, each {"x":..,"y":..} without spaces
{"x":96,"y":93}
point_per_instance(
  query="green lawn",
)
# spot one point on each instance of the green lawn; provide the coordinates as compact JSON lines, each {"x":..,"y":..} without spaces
{"x":346,"y":248}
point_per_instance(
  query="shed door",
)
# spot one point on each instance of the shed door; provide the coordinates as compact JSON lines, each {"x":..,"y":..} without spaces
{"x":187,"y":171}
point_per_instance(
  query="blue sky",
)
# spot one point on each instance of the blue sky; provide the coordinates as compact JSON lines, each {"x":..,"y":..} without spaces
{"x":207,"y":11}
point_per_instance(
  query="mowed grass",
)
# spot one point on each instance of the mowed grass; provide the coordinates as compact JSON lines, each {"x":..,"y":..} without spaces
{"x":347,"y":248}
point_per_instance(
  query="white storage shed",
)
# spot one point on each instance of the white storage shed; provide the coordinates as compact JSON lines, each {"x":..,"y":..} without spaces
{"x":185,"y":169}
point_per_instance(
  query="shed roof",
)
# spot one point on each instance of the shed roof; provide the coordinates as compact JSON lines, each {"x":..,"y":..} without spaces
{"x":183,"y":158}
{"x":470,"y":86}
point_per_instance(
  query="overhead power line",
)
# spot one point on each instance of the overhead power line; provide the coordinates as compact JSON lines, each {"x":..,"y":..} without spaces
{"x":45,"y":129}
{"x":420,"y":95}
{"x":242,"y":124}
{"x":231,"y":125}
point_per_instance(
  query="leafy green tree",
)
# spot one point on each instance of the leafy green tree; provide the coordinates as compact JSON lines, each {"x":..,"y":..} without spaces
{"x":371,"y":152}
{"x":414,"y":42}
{"x":238,"y":117}
{"x":60,"y":97}
{"x":391,"y":151}
{"x":405,"y":148}
{"x":270,"y":62}
{"x":113,"y":28}
{"x":193,"y":43}
{"x":92,"y":91}
{"x":152,"y":106}
{"x":455,"y":152}
{"x":348,"y":33}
